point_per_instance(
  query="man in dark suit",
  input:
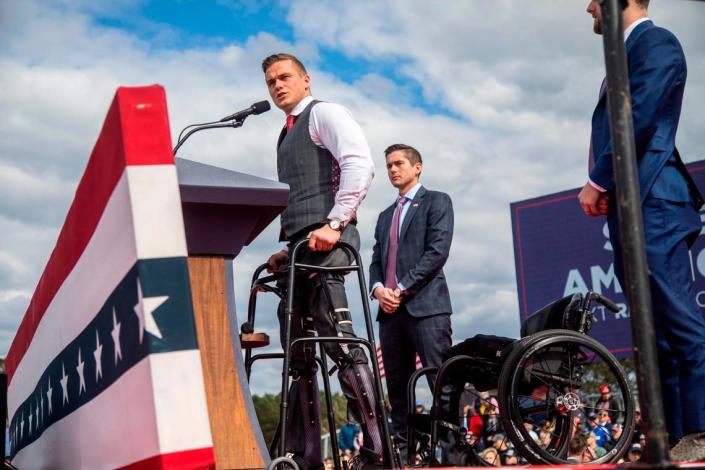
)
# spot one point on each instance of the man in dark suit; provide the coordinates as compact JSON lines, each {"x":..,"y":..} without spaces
{"x":412,"y":242}
{"x":670,"y":203}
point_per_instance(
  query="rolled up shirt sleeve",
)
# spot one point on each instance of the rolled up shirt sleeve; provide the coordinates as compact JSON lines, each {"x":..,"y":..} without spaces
{"x":332,"y":127}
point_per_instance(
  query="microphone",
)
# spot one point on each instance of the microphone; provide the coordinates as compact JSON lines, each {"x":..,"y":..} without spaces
{"x":257,"y":108}
{"x":237,"y":118}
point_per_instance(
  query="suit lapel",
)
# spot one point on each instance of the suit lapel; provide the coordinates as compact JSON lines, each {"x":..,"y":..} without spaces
{"x":414,"y":206}
{"x":282,"y":135}
{"x":641,"y":27}
{"x":385,"y":225}
{"x":603,"y":90}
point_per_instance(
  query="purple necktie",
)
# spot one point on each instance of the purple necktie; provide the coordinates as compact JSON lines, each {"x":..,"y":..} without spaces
{"x":390,"y":278}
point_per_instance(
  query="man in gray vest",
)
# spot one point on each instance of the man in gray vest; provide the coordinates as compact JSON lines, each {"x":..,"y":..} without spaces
{"x":324,"y":157}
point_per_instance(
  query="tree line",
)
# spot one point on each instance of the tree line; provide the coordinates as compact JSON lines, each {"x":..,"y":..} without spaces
{"x":267,"y":409}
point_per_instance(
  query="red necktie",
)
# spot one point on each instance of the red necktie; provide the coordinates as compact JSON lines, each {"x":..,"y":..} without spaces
{"x":390,"y":277}
{"x":290,"y":119}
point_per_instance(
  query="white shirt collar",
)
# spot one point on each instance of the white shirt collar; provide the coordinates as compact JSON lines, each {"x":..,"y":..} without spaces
{"x":411,"y":194}
{"x":301,"y":106}
{"x":633,"y":26}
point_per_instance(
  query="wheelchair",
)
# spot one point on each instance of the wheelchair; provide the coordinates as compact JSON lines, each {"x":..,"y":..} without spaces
{"x":548,"y":378}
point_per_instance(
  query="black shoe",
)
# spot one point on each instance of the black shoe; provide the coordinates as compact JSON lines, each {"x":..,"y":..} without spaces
{"x":691,"y":448}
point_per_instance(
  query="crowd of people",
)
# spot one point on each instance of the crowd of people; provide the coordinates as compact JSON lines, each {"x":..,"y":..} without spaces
{"x":594,"y":435}
{"x":597,"y":430}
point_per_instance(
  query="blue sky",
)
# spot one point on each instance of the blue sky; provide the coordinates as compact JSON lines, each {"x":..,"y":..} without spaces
{"x":192,"y":22}
{"x":496,"y":95}
{"x":169,"y":25}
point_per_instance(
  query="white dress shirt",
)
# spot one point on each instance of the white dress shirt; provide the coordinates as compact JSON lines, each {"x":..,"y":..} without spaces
{"x":410,"y":195}
{"x":333,"y":128}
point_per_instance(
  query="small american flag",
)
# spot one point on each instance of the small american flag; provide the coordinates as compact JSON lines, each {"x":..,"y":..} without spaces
{"x":380,"y":363}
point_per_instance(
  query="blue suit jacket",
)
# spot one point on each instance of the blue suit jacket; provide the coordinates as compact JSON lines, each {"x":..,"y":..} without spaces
{"x":424,"y":244}
{"x":657,"y":75}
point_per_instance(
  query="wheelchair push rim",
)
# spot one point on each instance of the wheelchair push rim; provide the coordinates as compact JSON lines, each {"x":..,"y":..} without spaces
{"x":547,"y":380}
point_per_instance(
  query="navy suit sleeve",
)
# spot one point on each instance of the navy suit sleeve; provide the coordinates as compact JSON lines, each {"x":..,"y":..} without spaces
{"x":439,"y":234}
{"x":376,"y":274}
{"x":656,"y":68}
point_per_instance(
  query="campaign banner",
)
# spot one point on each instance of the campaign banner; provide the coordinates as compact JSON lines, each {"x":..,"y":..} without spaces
{"x":105,"y":370}
{"x":559,"y":251}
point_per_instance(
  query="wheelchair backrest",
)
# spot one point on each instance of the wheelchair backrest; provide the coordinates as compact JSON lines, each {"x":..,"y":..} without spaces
{"x":560,"y":314}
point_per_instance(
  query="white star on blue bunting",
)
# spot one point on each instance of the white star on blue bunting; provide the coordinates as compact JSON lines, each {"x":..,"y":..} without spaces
{"x":115,"y":333}
{"x":79,"y":369}
{"x":144,"y":309}
{"x":64,"y":384}
{"x":49,"y":392}
{"x":97,"y":353}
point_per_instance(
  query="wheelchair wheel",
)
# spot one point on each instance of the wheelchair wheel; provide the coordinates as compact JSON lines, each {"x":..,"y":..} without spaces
{"x":551,"y":380}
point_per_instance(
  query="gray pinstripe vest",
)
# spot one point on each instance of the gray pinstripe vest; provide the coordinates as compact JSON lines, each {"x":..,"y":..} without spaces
{"x":307,"y":169}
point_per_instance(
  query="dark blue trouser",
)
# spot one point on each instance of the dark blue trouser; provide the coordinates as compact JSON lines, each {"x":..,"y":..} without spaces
{"x":669,"y":230}
{"x":401,"y":336}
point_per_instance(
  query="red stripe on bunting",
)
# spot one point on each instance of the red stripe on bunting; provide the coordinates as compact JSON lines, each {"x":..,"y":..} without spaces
{"x":135,"y":132}
{"x":185,"y":460}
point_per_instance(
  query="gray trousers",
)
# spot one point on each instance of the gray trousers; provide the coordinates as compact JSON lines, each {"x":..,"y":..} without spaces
{"x":321,"y":307}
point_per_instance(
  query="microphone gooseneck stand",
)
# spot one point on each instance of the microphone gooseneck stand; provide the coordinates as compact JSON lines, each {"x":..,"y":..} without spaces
{"x":234,"y":120}
{"x":211,"y":125}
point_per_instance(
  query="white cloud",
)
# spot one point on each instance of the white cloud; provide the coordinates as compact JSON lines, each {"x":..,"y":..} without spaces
{"x":520,"y":85}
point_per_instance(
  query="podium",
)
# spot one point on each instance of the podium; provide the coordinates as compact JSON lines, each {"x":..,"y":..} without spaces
{"x":128,"y":355}
{"x":223,"y":211}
